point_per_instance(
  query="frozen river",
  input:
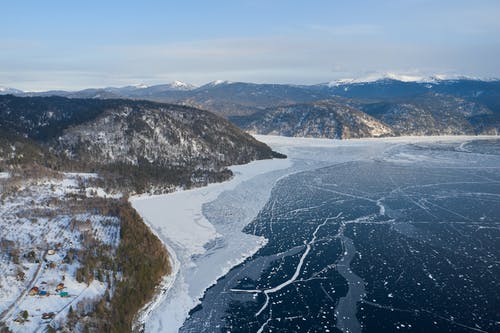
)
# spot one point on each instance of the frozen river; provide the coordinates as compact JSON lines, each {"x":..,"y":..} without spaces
{"x":384,"y":235}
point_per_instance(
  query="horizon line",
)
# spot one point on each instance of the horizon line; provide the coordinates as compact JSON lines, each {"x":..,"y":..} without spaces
{"x":405,"y":78}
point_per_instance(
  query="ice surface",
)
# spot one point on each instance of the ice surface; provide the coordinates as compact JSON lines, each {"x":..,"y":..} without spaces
{"x":412,"y":231}
{"x":203,"y":227}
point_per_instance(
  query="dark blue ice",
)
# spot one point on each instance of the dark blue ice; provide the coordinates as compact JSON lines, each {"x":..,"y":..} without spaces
{"x":407,"y":241}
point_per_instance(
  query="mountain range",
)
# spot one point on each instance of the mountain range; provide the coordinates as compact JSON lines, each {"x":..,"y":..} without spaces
{"x":387,"y":106}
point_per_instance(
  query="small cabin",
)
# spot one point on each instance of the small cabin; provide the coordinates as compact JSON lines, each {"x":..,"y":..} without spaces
{"x":34,"y":291}
{"x":64,"y":294}
{"x":48,"y":315}
{"x":43,"y":293}
{"x":60,"y":287}
{"x":51,"y":252}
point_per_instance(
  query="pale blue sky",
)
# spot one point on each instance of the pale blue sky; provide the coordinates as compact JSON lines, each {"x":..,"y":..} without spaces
{"x":75,"y":44}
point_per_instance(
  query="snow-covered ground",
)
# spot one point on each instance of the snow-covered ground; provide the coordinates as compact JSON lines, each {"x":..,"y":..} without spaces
{"x":202,"y":227}
{"x":37,"y":232}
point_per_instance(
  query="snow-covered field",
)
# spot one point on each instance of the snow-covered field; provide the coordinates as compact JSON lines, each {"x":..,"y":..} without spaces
{"x":202,"y":227}
{"x":39,"y":235}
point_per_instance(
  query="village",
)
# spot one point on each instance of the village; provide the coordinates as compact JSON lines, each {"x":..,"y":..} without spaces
{"x":42,"y":244}
{"x":44,"y":289}
{"x":52,"y":294}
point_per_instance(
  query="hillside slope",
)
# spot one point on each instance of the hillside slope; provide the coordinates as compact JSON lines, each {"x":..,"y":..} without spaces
{"x":324,"y":119}
{"x":428,"y":114}
{"x":139,"y":142}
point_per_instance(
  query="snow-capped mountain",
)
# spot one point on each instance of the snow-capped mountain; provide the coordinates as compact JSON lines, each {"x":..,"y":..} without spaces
{"x":226,"y":97}
{"x":143,"y":88}
{"x":217,"y":83}
{"x":135,"y":91}
{"x":182,"y":85}
{"x":140,"y":86}
{"x":7,"y":90}
{"x":233,"y":99}
{"x":408,"y":77}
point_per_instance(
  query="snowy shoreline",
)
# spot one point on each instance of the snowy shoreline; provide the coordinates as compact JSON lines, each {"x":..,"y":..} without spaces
{"x":205,"y":248}
{"x":281,"y":141}
{"x":161,"y":291}
{"x":201,"y":252}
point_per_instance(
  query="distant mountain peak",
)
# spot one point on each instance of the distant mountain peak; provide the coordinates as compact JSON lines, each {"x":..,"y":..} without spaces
{"x":218,"y":83}
{"x":182,"y":85}
{"x":402,"y":77}
{"x":7,"y":90}
{"x":140,"y":86}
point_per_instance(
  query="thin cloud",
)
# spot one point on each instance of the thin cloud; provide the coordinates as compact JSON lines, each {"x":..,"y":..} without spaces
{"x":350,"y":30}
{"x":300,"y":59}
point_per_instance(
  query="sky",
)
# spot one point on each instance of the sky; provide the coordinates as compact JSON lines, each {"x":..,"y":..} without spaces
{"x":55,"y":44}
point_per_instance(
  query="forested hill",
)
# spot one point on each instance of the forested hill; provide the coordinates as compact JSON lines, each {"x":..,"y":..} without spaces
{"x":137,"y":144}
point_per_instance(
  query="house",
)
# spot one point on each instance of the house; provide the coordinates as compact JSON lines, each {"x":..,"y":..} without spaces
{"x":60,"y":287}
{"x":51,"y":252}
{"x":43,"y":293}
{"x":48,"y":315}
{"x":34,"y":291}
{"x":64,"y":294}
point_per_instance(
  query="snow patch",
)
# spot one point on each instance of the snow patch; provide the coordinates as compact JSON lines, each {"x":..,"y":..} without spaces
{"x":218,"y":82}
{"x":181,"y":85}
